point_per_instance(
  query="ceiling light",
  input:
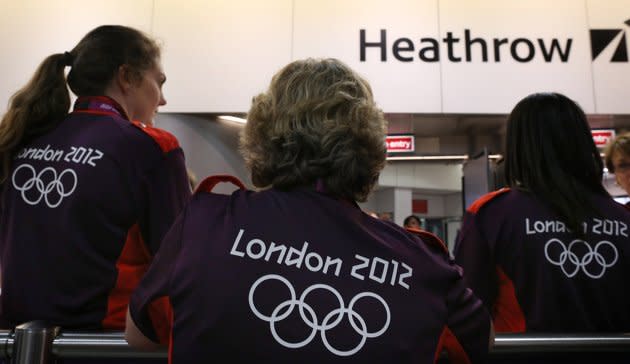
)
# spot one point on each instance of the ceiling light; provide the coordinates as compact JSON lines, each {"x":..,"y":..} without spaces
{"x":428,"y":157}
{"x":438,"y":157}
{"x":233,"y":119}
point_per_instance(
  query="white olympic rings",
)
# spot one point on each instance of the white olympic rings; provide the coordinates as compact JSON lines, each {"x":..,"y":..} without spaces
{"x":592,"y":258}
{"x":308,"y":315}
{"x":45,"y":189}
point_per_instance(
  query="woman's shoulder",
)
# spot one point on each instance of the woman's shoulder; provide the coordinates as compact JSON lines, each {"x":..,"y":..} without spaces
{"x":161,"y":138}
{"x":490,"y":198}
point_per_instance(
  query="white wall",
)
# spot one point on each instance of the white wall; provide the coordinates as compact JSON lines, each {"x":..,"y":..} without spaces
{"x":453,"y":205}
{"x":31,"y":30}
{"x":495,"y":87}
{"x":401,"y":182}
{"x":381,"y":199}
{"x":210,"y":148}
{"x":402,"y":204}
{"x":399,"y":202}
{"x":452,"y":229}
{"x":399,"y":87}
{"x":610,"y":79}
{"x":219,"y":53}
{"x":423,"y":175}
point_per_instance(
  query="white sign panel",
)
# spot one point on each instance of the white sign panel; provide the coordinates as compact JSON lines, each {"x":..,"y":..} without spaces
{"x":501,"y":51}
{"x":420,"y":56}
{"x":609,"y":26}
{"x":31,"y":30}
{"x":389,"y":31}
{"x":219,"y":54}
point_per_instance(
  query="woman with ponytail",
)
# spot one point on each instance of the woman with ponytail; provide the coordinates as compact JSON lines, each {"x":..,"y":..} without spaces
{"x":86,"y":193}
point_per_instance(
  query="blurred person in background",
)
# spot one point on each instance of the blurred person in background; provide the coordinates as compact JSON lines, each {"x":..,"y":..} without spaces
{"x":413,"y":222}
{"x":618,"y":161}
{"x":86,"y":196}
{"x":551,"y":252}
{"x":289,"y":273}
{"x":386,"y":216}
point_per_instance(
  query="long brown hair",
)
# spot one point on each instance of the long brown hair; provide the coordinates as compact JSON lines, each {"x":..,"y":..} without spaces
{"x":34,"y":109}
{"x":44,"y":102}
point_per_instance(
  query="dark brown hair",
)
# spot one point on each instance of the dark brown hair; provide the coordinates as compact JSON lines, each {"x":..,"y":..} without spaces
{"x":550,"y":153}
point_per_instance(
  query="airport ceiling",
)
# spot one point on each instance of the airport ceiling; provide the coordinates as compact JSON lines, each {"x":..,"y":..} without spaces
{"x":438,"y":125}
{"x":428,"y":125}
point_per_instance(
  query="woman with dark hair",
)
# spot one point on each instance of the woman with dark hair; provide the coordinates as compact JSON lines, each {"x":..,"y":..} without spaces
{"x":550,"y":252}
{"x":297,"y":272}
{"x":86,"y":196}
{"x":412,"y":221}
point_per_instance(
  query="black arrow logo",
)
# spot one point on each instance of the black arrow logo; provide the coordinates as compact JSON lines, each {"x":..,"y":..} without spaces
{"x":601,"y":38}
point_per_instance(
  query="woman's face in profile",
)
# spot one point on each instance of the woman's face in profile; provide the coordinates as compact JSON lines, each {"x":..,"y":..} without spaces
{"x":621,"y":162}
{"x":147,"y":95}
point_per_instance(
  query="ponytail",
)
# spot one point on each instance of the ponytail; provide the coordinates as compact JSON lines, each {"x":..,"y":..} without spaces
{"x":45,"y":101}
{"x":35,"y":109}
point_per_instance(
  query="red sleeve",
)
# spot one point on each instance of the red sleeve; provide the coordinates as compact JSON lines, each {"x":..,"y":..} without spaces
{"x":164,"y":139}
{"x":478,"y":204}
{"x":507,"y":314}
{"x":450,"y":346}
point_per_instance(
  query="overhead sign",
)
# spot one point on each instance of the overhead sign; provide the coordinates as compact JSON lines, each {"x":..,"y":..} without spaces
{"x":419,"y":56}
{"x":601,"y":137}
{"x":400,"y":143}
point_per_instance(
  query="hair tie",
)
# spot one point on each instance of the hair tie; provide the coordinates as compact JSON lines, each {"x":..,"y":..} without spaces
{"x":67,"y":58}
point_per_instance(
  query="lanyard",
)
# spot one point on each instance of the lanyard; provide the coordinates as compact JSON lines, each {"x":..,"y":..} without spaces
{"x":99,"y":105}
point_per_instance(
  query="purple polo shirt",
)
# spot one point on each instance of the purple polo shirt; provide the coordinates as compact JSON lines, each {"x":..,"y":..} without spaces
{"x":83,"y":210}
{"x":298,"y":276}
{"x":536,"y":275}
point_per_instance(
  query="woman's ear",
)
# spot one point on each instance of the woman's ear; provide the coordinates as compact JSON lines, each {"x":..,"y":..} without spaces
{"x":124,"y":79}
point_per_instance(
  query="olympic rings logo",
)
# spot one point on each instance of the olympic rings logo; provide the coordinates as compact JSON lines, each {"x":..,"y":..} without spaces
{"x":308,"y":315}
{"x":592,"y":262}
{"x":46,"y":184}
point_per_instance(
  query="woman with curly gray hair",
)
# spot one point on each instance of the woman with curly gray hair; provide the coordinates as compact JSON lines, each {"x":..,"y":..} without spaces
{"x":317,"y":121}
{"x":296,"y":272}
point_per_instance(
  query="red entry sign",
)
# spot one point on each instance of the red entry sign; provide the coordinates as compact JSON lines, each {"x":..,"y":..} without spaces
{"x":400,"y":143}
{"x":601,"y":137}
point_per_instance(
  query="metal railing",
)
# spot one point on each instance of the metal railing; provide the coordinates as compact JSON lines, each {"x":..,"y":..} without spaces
{"x":35,"y":343}
{"x":560,"y":343}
